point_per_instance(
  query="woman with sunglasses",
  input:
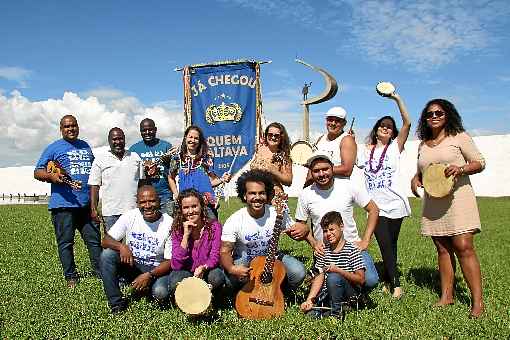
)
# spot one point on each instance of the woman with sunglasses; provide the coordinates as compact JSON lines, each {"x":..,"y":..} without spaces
{"x":273,"y":155}
{"x":451,"y":221}
{"x":196,"y":241}
{"x":193,"y":163}
{"x":381,"y":164}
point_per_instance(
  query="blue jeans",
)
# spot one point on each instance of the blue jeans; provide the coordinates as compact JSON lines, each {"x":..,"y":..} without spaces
{"x":214,"y":277}
{"x":339,"y":290}
{"x":109,"y":221}
{"x":112,"y":269}
{"x":167,"y":206}
{"x":295,"y":273}
{"x":66,"y":221}
{"x":371,"y":276}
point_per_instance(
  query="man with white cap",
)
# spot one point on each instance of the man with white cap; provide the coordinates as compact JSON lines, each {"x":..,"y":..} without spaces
{"x":332,"y":193}
{"x":338,"y":143}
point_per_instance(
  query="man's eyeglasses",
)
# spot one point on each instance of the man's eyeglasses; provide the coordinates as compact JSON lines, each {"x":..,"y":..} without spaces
{"x":437,"y":113}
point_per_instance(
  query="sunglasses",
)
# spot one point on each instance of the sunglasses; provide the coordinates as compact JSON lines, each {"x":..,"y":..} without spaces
{"x":437,"y":113}
{"x":273,"y":135}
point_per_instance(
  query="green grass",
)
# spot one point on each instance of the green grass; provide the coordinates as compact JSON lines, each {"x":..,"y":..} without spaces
{"x":35,"y":303}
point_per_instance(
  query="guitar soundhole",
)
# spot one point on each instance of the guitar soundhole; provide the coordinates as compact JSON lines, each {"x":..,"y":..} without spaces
{"x":266,"y":279}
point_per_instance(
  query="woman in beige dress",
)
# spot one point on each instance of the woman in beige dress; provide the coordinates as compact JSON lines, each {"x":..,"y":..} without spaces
{"x":451,"y":221}
{"x":273,"y":155}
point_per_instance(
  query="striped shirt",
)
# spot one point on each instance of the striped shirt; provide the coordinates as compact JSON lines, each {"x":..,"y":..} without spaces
{"x":349,"y":258}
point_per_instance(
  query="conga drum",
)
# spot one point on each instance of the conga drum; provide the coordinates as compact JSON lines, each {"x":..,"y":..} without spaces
{"x":435,"y":183}
{"x":193,"y":296}
{"x":301,"y":151}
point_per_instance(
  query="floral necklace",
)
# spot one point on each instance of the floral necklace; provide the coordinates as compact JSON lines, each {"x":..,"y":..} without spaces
{"x":381,"y":159}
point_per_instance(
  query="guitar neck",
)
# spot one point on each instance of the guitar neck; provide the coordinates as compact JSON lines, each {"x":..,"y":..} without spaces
{"x":267,"y":274}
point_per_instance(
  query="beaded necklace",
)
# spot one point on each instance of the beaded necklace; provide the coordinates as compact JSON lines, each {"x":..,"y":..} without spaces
{"x":381,"y":159}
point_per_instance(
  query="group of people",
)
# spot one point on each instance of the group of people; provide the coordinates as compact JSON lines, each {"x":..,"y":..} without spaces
{"x":159,"y":230}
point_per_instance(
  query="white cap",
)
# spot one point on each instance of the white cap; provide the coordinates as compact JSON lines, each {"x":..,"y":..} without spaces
{"x":319,"y":154}
{"x":336,"y":111}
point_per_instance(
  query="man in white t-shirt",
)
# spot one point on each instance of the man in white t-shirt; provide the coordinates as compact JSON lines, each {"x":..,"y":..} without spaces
{"x":116,"y":171}
{"x":145,"y":257}
{"x":331,"y":193}
{"x":247,"y":233}
{"x":338,"y":143}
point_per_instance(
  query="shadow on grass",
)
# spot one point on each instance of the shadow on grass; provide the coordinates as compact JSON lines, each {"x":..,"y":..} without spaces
{"x":426,"y":277}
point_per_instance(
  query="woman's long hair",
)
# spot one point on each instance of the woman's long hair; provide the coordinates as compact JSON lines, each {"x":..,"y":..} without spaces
{"x":202,"y":147}
{"x":372,"y":137}
{"x":284,"y":145}
{"x":179,"y":219}
{"x":453,"y":124}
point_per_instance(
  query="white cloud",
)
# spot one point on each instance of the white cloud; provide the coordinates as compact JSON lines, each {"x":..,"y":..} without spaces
{"x":420,"y":35}
{"x":17,"y":74}
{"x":28,"y":126}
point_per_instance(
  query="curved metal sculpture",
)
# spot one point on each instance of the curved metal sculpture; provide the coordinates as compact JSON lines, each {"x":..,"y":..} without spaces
{"x":331,"y":85}
{"x":328,"y":93}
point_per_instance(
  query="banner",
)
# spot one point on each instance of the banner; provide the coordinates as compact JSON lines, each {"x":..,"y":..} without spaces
{"x":224,"y":104}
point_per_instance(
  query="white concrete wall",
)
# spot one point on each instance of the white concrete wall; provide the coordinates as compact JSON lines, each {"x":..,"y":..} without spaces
{"x":493,"y":181}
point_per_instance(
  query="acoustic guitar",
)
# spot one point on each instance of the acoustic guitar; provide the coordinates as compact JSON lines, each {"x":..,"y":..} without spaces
{"x":56,"y":168}
{"x":262,"y":297}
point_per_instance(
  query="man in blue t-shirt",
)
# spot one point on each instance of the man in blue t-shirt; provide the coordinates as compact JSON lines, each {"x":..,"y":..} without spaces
{"x":69,"y":204}
{"x":151,"y":149}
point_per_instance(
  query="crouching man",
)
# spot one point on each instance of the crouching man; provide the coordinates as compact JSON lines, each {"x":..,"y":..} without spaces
{"x":144,"y":259}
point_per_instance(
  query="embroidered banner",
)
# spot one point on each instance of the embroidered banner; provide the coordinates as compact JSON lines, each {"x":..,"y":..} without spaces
{"x":224,"y":105}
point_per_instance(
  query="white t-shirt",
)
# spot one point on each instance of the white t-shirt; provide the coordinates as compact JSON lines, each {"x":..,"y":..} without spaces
{"x":149,"y":242}
{"x":332,"y":147}
{"x":314,"y":203}
{"x":251,"y":236}
{"x":118,"y":180}
{"x":385,"y":186}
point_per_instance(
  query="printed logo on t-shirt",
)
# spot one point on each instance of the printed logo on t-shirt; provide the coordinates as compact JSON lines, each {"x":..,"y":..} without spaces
{"x":382,"y":178}
{"x":257,"y":243}
{"x":144,"y":247}
{"x":79,"y":162}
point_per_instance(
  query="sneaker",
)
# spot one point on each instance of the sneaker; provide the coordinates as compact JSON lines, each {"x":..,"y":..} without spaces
{"x":120,"y":308}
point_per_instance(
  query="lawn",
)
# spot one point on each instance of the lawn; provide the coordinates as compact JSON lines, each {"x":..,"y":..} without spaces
{"x":34,"y":302}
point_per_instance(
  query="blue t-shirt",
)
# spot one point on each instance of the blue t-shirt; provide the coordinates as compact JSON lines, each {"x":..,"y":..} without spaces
{"x":152,"y":153}
{"x":76,"y":159}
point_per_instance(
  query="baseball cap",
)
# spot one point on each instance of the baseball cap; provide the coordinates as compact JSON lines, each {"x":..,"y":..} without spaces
{"x":336,"y":111}
{"x":318,"y":154}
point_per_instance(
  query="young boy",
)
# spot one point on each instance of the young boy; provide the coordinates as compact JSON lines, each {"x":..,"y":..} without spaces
{"x":340,"y":269}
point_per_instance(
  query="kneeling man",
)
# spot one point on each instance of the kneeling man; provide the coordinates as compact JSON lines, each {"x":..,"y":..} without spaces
{"x":330,"y":193}
{"x":144,"y":259}
{"x":247,"y":232}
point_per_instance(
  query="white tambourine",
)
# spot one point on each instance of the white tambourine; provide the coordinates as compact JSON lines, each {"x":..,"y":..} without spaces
{"x":385,"y":88}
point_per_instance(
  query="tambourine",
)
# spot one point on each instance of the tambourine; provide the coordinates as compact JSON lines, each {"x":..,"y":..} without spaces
{"x":385,"y":88}
{"x":301,"y":151}
{"x":193,"y":296}
{"x":435,"y":183}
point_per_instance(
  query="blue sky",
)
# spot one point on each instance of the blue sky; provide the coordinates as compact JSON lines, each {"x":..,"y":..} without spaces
{"x":111,"y":62}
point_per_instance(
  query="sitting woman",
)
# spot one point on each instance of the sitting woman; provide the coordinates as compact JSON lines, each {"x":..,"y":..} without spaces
{"x":195,"y":242}
{"x":340,"y":270}
{"x":193,"y":164}
{"x":273,"y":155}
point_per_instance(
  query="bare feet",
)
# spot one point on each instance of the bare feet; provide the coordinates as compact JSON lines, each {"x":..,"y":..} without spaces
{"x":443,"y":302}
{"x":397,"y":293}
{"x":476,"y":311}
